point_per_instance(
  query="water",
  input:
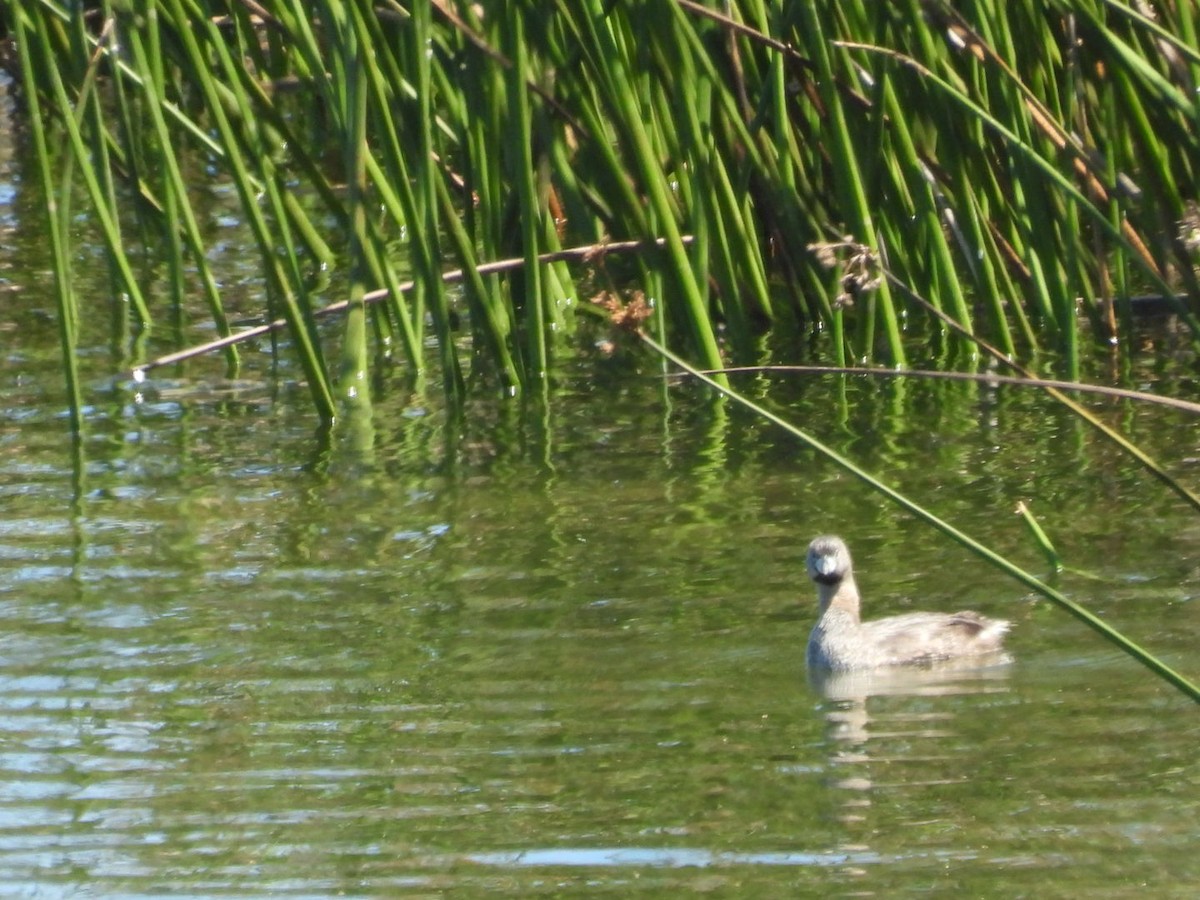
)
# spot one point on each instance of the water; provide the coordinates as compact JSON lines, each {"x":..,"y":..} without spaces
{"x":237,"y":666}
{"x":558,"y":654}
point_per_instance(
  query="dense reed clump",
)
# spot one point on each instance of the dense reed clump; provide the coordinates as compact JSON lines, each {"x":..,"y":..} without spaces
{"x":1011,"y":164}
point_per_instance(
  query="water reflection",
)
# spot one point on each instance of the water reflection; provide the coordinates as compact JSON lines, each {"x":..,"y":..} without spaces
{"x":971,"y":675}
{"x":858,"y":741}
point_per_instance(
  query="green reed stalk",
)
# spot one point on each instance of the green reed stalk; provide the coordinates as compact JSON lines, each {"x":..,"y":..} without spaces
{"x":180,"y":215}
{"x":425,"y":225}
{"x":487,"y":307}
{"x":1052,"y":175}
{"x":849,"y":176}
{"x":911,"y":173}
{"x":1040,"y":537}
{"x":703,"y":105}
{"x":524,"y":175}
{"x":390,"y":179}
{"x":350,"y":59}
{"x":487,"y":221}
{"x":104,"y":211}
{"x":307,"y":341}
{"x":610,"y":45}
{"x":68,"y":315}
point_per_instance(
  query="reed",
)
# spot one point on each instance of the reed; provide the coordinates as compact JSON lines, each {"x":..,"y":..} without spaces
{"x":57,"y":228}
{"x":1023,"y":167}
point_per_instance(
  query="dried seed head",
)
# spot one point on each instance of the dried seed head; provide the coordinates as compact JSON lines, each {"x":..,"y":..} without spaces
{"x":626,"y":316}
{"x":859,"y":264}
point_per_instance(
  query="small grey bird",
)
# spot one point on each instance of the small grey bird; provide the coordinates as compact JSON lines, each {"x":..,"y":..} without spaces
{"x":841,"y":641}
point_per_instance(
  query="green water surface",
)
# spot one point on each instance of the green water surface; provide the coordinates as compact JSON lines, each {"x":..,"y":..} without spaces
{"x":237,"y":665}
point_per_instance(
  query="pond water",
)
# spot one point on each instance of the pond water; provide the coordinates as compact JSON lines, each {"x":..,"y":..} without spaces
{"x":232,"y":663}
{"x":560,"y":651}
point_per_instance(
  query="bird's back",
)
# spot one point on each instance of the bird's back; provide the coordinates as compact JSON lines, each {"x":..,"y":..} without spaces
{"x":927,"y":636}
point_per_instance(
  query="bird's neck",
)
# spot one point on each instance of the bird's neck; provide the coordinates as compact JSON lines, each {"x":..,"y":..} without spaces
{"x":842,"y":596}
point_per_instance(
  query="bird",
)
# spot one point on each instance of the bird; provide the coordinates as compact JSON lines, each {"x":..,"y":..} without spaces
{"x":841,"y":641}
